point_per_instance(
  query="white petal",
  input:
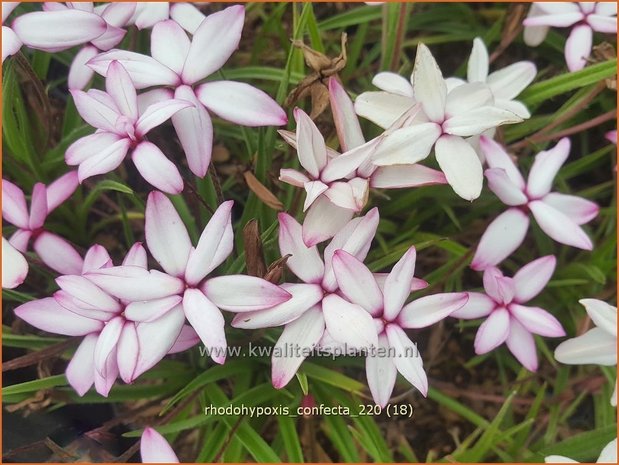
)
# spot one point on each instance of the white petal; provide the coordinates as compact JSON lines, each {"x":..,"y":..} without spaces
{"x":169,"y":45}
{"x":187,"y":16}
{"x":50,"y":316}
{"x":80,"y":371}
{"x":603,"y":315}
{"x":398,"y":284}
{"x":14,"y":208}
{"x":349,"y":323}
{"x":57,"y":253}
{"x":407,"y":359}
{"x":578,"y":47}
{"x":344,"y":117}
{"x":296,"y":342}
{"x":477,"y":68}
{"x":381,"y":372}
{"x":382,"y":108}
{"x":158,"y":170}
{"x":94,"y":112}
{"x":559,"y":226}
{"x":127,"y":352}
{"x":323,"y":220}
{"x":428,"y":84}
{"x":497,"y":157}
{"x":311,"y":146}
{"x":428,"y":310}
{"x":461,"y":166}
{"x":508,"y":82}
{"x":545,"y":168}
{"x":166,"y":235}
{"x":155,"y":449}
{"x":208,"y":322}
{"x":595,"y":346}
{"x":214,"y":246}
{"x":478,"y":306}
{"x":239,"y":293}
{"x":500,"y":183}
{"x":357,"y":283}
{"x":149,"y":310}
{"x":492,"y":332}
{"x":478,"y":120}
{"x":536,"y":320}
{"x":535,"y":35}
{"x":466,"y":98}
{"x":609,"y":453}
{"x":346,"y":164}
{"x":313,"y":190}
{"x":105,"y":161}
{"x":10,"y":43}
{"x":119,"y":86}
{"x":531,"y":279}
{"x":401,"y":176}
{"x":82,"y":289}
{"x":501,"y":238}
{"x":79,"y":73}
{"x":305,"y":262}
{"x":580,"y":210}
{"x":407,"y":145}
{"x":521,"y":344}
{"x":134,"y":283}
{"x":158,"y":113}
{"x":14,"y":266}
{"x":600,"y":23}
{"x":106,"y":344}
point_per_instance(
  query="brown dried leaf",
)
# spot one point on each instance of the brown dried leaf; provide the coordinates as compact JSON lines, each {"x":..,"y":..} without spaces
{"x":254,"y":257}
{"x":262,"y":191}
{"x":276,"y":270}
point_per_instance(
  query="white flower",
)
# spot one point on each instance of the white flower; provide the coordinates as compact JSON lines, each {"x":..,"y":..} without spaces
{"x":608,"y":455}
{"x":598,"y":345}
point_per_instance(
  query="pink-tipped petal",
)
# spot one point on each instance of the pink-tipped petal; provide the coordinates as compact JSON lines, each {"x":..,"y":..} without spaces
{"x":82,"y":289}
{"x":134,"y":283}
{"x":595,"y":346}
{"x":562,"y":19}
{"x":492,"y":332}
{"x":213,"y":42}
{"x":118,"y":14}
{"x":241,"y":103}
{"x":323,"y":220}
{"x":50,"y":316}
{"x":136,"y":256}
{"x":79,"y":73}
{"x":14,"y":266}
{"x":110,"y":38}
{"x":407,"y":145}
{"x":58,"y":30}
{"x":537,"y":320}
{"x":349,"y":323}
{"x":545,"y":168}
{"x":61,"y":189}
{"x":342,"y":195}
{"x":170,"y":45}
{"x":105,"y":161}
{"x":104,"y":383}
{"x":38,"y":206}
{"x":96,"y":257}
{"x":531,"y":279}
{"x":580,"y":210}
{"x":498,"y":287}
{"x":20,"y":239}
{"x":398,"y":284}
{"x":10,"y":43}
{"x":80,"y":371}
{"x":461,"y":165}
{"x":521,"y":344}
{"x":296,"y":341}
{"x":239,"y":293}
{"x":501,"y":238}
{"x":402,"y":176}
{"x":304,"y":296}
{"x":165,"y":331}
{"x":357,"y":283}
{"x":601,"y":23}
{"x":428,"y":84}
{"x":14,"y":208}
{"x":158,"y":170}
{"x":106,"y":344}
{"x":89,"y":146}
{"x":393,"y":83}
{"x":195,"y":131}
{"x":150,"y":97}
{"x":147,"y":14}
{"x":504,"y":188}
{"x":477,"y":306}
{"x":559,"y":226}
{"x":578,"y":46}
{"x":407,"y":359}
{"x":293,"y":177}
{"x":344,"y":117}
{"x":381,"y":372}
{"x":431,"y":309}
{"x":346,"y":164}
{"x":305,"y":262}
{"x":158,"y":113}
{"x":208,"y":322}
{"x":155,"y":449}
{"x":95,"y":112}
{"x":313,"y":190}
{"x":57,"y":253}
{"x":144,"y":70}
{"x":214,"y":246}
{"x":603,"y":315}
{"x":382,"y":108}
{"x":187,"y":16}
{"x":82,"y":308}
{"x":166,"y":235}
{"x":497,"y":157}
{"x":119,"y":86}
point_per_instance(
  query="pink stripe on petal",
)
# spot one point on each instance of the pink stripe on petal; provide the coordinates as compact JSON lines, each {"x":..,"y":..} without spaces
{"x":222,"y":28}
{"x":155,"y":449}
{"x":81,"y":370}
{"x":207,"y":321}
{"x":501,"y":238}
{"x":158,"y":170}
{"x":166,"y":235}
{"x":239,"y":293}
{"x":94,"y":112}
{"x":214,"y":246}
{"x":14,"y":208}
{"x":241,"y":103}
{"x":531,"y":279}
{"x":58,"y":254}
{"x":50,"y":316}
{"x":559,"y":226}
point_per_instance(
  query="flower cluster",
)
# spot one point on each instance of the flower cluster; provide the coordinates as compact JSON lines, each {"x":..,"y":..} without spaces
{"x":131,"y":315}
